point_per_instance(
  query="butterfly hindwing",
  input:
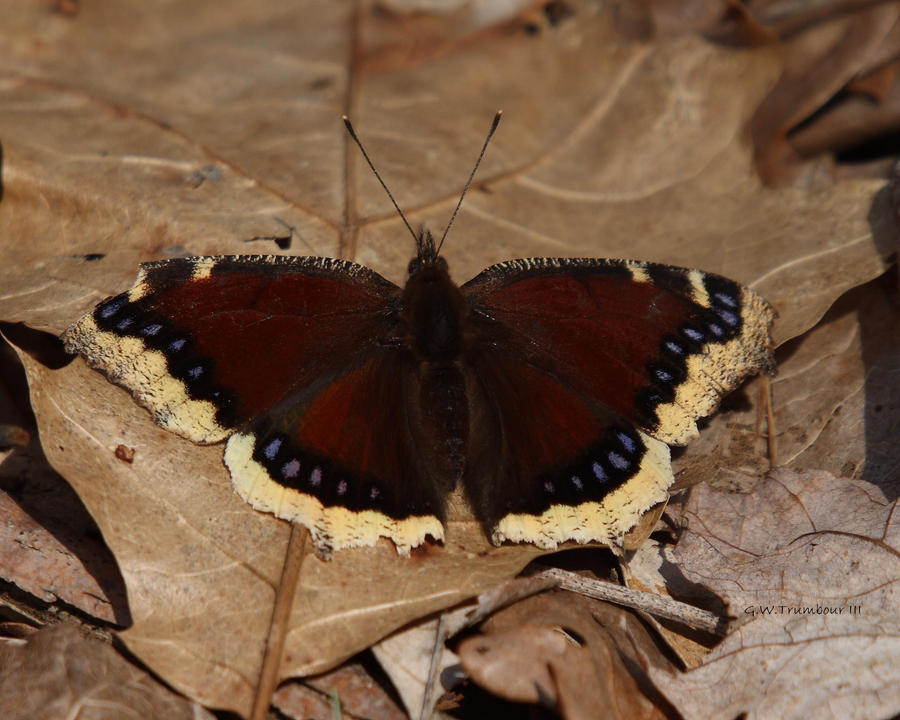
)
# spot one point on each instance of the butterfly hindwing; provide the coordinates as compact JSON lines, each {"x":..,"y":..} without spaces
{"x":551,"y":465}
{"x":587,"y":369}
{"x":339,"y":456}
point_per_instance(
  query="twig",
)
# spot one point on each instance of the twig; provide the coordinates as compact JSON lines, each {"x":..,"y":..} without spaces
{"x":770,"y":422}
{"x":440,"y":636}
{"x":281,"y":613}
{"x":656,"y":605}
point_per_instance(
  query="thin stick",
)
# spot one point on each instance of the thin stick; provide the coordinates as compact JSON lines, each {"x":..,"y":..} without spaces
{"x":281,"y":613}
{"x":760,"y":407}
{"x":494,"y":124}
{"x":770,"y":422}
{"x":352,"y":132}
{"x":656,"y":605}
{"x":440,"y":637}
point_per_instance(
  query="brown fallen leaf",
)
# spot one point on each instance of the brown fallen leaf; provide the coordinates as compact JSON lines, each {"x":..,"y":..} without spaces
{"x":521,"y":664}
{"x":836,"y":403}
{"x":416,"y":658}
{"x":411,"y":658}
{"x":552,"y":650}
{"x":814,"y":594}
{"x":179,"y":152}
{"x":833,"y":101}
{"x":41,"y":563}
{"x":57,"y":673}
{"x":652,"y":569}
{"x":49,"y":545}
{"x":830,"y":51}
{"x":869,"y":109}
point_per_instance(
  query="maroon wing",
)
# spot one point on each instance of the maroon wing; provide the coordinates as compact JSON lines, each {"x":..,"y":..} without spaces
{"x":207,"y":343}
{"x":583,"y":369}
{"x":300,"y":355}
{"x":341,"y":457}
{"x":656,"y":344}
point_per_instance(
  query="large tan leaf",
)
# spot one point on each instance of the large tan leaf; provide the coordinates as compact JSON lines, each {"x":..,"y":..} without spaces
{"x":219,"y":122}
{"x":818,"y":590}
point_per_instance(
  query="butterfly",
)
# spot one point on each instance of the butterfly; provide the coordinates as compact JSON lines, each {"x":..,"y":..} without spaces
{"x":547,"y":389}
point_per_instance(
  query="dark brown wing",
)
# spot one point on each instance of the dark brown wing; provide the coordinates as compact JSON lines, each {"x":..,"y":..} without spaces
{"x":548,"y":465}
{"x":303,"y":350}
{"x":584,"y":370}
{"x":340,"y":457}
{"x":657,"y":344}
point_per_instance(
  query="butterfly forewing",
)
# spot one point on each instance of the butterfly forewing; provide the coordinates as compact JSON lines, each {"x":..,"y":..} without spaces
{"x":207,"y":343}
{"x":656,"y":344}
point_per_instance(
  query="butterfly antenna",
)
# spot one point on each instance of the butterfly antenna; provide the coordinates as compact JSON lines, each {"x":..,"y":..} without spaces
{"x":352,"y":132}
{"x":490,"y":134}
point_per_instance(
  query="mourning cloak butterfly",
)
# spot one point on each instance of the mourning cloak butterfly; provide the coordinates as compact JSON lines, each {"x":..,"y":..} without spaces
{"x":547,"y":388}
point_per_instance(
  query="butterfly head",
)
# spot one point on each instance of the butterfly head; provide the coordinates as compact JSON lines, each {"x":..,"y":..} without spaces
{"x":426,"y":255}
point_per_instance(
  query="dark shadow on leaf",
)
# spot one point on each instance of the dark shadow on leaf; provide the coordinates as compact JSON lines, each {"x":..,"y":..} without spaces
{"x":27,"y":477}
{"x":44,"y":347}
{"x":879,"y":321}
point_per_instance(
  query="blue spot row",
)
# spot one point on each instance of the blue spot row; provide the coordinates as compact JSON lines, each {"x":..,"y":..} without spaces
{"x":610,"y":462}
{"x":288,"y":465}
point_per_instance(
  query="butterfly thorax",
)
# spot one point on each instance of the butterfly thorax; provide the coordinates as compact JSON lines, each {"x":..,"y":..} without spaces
{"x":434,"y":310}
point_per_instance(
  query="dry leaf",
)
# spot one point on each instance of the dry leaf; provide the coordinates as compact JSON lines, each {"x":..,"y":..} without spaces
{"x":837,"y":400}
{"x":57,"y":674}
{"x":551,"y":649}
{"x":176,"y":148}
{"x":819,"y":62}
{"x":49,"y":545}
{"x":838,"y":92}
{"x":521,"y":664}
{"x":407,"y":659}
{"x":40,"y":562}
{"x":816,"y":590}
{"x":652,"y":569}
{"x":407,"y":656}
